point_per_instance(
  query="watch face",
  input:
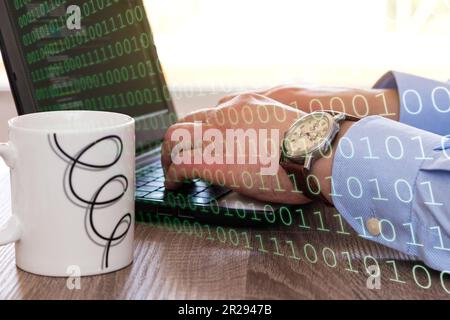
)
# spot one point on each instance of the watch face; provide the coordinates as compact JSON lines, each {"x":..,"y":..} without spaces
{"x":308,"y":134}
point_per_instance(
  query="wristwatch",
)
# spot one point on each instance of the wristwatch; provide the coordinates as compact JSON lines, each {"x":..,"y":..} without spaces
{"x":308,"y":139}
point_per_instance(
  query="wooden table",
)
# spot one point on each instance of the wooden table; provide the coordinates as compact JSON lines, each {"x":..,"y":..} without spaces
{"x":277,"y":262}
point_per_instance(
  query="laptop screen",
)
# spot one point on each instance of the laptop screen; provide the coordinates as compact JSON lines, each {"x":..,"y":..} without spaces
{"x":92,"y":55}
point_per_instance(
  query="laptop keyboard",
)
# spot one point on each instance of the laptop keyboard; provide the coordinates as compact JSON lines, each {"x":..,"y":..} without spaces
{"x":150,"y":187}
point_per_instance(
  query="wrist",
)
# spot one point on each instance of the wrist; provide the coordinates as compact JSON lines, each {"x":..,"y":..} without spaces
{"x":357,"y":102}
{"x":322,"y":168}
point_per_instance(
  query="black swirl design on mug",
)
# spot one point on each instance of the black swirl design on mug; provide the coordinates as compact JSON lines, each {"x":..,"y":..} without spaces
{"x":92,"y":204}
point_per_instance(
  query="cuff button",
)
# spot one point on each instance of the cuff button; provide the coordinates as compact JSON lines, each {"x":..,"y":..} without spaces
{"x":374,"y":226}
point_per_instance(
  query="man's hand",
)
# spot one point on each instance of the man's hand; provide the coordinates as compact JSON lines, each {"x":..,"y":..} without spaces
{"x":275,"y":109}
{"x":356,"y":102}
{"x":242,"y":171}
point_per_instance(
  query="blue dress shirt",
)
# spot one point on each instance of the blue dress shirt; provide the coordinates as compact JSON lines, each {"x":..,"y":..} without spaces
{"x":397,"y":174}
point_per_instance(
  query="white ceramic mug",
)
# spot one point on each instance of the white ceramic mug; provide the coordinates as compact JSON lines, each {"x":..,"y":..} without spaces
{"x":72,"y":177}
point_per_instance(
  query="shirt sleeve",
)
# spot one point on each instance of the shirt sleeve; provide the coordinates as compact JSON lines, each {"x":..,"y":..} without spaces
{"x":424,"y":103}
{"x":390,"y":182}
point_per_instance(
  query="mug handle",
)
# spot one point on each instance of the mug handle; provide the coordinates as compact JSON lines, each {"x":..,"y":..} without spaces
{"x":11,"y":231}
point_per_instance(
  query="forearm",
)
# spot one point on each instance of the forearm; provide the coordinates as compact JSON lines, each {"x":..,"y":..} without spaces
{"x":358,"y":102}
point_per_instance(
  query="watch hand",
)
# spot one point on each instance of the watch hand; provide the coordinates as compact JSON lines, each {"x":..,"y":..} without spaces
{"x":312,"y":134}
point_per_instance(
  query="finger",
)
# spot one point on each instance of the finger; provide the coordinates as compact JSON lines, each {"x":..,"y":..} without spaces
{"x":244,"y":179}
{"x":185,"y":166}
{"x":234,"y":95}
{"x":293,"y":96}
{"x":265,"y":188}
{"x":281,"y":93}
{"x":254,"y":99}
{"x":197,"y":116}
{"x":177,"y":134}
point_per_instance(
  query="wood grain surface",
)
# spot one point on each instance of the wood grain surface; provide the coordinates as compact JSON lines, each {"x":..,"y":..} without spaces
{"x":277,"y":262}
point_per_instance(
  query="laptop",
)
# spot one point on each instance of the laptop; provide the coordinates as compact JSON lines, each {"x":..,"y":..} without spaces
{"x":100,"y":55}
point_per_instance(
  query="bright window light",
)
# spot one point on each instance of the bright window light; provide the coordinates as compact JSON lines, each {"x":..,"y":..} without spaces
{"x":234,"y":44}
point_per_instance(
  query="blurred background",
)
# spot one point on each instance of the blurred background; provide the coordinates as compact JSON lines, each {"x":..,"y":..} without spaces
{"x":212,"y":47}
{"x":257,"y":43}
{"x":218,"y":45}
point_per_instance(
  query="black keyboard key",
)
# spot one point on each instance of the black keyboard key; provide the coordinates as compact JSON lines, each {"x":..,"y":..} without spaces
{"x":213,"y":192}
{"x":157,"y":165}
{"x":154,"y":175}
{"x":159,"y":172}
{"x":202,"y":183}
{"x":140,"y":194}
{"x":155,"y":183}
{"x":208,"y":194}
{"x":197,"y":200}
{"x":141,"y":182}
{"x":148,"y":188}
{"x":204,"y":194}
{"x":191,"y":189}
{"x":155,"y":195}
